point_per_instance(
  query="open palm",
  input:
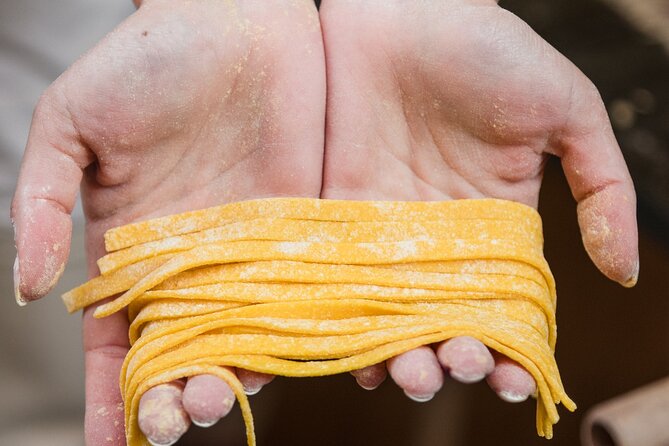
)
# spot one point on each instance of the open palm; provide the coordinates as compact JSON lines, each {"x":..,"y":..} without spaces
{"x":183,"y":106}
{"x":205,"y":102}
{"x":461,"y":99}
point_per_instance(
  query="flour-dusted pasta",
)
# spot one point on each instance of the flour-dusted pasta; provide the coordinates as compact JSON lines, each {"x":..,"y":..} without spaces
{"x":308,"y":287}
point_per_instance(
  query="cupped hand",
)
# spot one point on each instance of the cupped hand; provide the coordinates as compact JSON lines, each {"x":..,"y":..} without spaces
{"x":462,"y":99}
{"x":185,"y":105}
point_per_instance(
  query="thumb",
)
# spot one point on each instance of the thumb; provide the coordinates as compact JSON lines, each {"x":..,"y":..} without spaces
{"x":600,"y":182}
{"x":51,"y":171}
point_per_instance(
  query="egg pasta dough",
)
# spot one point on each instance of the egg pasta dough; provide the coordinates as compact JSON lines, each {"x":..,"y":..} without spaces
{"x":308,"y":287}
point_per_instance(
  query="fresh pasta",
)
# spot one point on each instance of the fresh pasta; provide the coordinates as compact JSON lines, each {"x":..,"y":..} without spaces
{"x":308,"y":287}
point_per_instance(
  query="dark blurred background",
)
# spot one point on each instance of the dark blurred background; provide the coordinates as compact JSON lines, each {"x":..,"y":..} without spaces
{"x":611,"y":340}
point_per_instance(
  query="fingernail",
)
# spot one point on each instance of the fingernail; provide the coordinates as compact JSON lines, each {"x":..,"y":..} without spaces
{"x":199,"y":423}
{"x":629,"y":283}
{"x":153,"y":443}
{"x":511,"y":397}
{"x":17,"y":284}
{"x":466,"y":378}
{"x":366,"y":387}
{"x":419,"y":398}
{"x":250,"y":391}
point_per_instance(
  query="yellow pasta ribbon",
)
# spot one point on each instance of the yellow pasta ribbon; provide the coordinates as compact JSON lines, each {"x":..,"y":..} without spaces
{"x":310,"y":287}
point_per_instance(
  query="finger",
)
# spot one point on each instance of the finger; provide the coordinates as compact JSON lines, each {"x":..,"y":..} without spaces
{"x":466,"y":359}
{"x":417,"y":372}
{"x":45,"y":195}
{"x":253,"y":381}
{"x":105,"y":347}
{"x":371,"y":377}
{"x":207,"y":399}
{"x":510,"y":381}
{"x":600,"y":182}
{"x":161,"y":416}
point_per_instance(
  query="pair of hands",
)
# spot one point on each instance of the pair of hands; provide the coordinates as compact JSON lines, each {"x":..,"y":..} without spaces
{"x":191,"y":104}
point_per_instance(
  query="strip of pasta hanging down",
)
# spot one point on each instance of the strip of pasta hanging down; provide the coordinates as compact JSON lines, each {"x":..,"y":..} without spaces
{"x":308,"y":287}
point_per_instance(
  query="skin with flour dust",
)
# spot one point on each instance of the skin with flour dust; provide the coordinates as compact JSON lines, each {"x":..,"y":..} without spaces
{"x":469,"y":103}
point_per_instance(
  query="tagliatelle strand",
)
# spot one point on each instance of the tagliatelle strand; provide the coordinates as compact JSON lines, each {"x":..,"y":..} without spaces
{"x":307,"y":287}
